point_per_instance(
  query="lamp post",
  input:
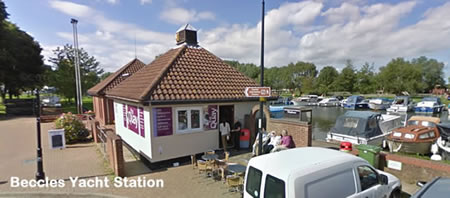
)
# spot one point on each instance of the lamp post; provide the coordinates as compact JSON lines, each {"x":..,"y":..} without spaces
{"x":77,"y":68}
{"x":40,"y":175}
{"x":261,"y":104}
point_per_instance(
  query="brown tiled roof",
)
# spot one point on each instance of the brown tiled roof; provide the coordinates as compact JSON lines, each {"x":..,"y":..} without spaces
{"x":184,"y":74}
{"x":114,"y":79}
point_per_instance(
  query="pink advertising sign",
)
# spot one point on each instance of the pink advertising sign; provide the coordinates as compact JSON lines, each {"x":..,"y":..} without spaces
{"x":213,"y":113}
{"x":132,"y":118}
{"x":162,"y":121}
{"x":141,"y":122}
{"x":125,"y":115}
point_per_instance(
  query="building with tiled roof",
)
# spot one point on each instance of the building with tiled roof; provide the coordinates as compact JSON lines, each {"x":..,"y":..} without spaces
{"x":173,"y":106}
{"x":103,"y":107}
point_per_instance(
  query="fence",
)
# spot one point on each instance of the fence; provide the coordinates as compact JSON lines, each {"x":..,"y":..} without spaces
{"x":110,"y":145}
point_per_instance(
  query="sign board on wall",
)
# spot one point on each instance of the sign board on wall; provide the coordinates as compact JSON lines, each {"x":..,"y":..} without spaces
{"x":162,"y":121}
{"x":133,"y":119}
{"x":213,"y":115}
{"x":394,"y":165}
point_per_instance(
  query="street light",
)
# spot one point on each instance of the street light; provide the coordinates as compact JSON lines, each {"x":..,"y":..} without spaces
{"x":40,"y":175}
{"x":77,"y":68}
{"x":261,"y":104}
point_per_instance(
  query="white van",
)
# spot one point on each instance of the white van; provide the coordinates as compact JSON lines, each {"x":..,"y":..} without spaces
{"x":313,"y":172}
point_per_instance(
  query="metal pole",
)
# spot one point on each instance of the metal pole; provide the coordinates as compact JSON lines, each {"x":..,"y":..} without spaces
{"x":40,"y":175}
{"x":77,"y":68}
{"x":261,"y":105}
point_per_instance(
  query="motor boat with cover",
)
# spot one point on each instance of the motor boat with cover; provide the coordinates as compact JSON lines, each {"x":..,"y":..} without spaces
{"x":329,"y":102}
{"x":443,"y":142}
{"x":356,"y":102}
{"x":363,"y":127}
{"x":401,"y":104}
{"x":416,"y":137}
{"x":429,"y":105}
{"x":380,"y":103}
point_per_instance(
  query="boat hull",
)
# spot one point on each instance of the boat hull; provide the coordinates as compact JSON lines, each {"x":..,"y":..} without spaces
{"x":409,"y":147}
{"x":428,"y":109}
{"x":356,"y":106}
{"x":378,"y":106}
{"x":396,"y":109}
{"x":377,"y":140}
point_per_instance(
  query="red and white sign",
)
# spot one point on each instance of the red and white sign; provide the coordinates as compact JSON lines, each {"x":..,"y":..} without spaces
{"x":258,"y":92}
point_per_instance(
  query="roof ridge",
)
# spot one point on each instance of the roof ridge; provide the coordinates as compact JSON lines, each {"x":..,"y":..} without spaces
{"x":159,"y":78}
{"x":108,"y":80}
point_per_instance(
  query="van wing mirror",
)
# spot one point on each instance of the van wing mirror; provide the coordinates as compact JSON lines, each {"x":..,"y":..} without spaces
{"x":421,"y":183}
{"x":383,"y":179}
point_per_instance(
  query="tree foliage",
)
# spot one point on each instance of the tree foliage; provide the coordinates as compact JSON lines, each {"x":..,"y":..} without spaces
{"x":325,"y":80}
{"x":63,"y":76}
{"x":21,"y":62}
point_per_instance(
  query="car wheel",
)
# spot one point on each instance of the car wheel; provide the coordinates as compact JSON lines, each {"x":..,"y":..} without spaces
{"x":396,"y":194}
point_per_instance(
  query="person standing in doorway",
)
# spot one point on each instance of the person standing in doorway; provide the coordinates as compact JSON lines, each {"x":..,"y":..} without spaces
{"x":224,"y":129}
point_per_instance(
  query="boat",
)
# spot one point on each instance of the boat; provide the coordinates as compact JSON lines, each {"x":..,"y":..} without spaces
{"x":342,"y":102}
{"x":329,"y":102}
{"x":306,"y":100}
{"x":379,"y":103}
{"x":401,"y":104}
{"x":363,"y":127}
{"x":356,"y":102}
{"x":282,"y":101}
{"x":429,"y":105}
{"x":416,"y":137}
{"x":443,"y":142}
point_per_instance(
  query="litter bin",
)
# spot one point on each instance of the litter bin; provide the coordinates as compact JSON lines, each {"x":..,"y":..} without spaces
{"x":244,"y":138}
{"x":370,"y":153}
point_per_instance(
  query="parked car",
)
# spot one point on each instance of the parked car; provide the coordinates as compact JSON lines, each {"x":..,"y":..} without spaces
{"x":438,"y":187}
{"x":316,"y":172}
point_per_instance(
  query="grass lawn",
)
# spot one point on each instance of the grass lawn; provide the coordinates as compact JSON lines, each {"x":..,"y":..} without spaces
{"x":67,"y":107}
{"x":423,"y":157}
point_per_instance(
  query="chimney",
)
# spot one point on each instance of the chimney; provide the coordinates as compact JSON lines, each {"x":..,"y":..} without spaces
{"x":187,"y":34}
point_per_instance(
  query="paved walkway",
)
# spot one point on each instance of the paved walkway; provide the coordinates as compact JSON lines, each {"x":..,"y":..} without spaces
{"x":18,"y":153}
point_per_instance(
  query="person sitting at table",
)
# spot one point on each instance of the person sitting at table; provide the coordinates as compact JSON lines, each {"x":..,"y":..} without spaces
{"x":255,"y":145}
{"x":286,"y":142}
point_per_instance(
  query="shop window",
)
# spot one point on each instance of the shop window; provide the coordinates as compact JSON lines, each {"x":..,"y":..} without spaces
{"x":188,"y":119}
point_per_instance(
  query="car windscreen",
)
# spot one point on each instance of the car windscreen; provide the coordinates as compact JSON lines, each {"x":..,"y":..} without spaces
{"x":274,"y":187}
{"x":253,"y":183}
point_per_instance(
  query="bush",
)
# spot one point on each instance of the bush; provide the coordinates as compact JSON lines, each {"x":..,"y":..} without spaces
{"x":74,"y":128}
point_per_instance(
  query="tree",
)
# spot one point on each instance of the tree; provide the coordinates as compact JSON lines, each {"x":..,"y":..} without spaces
{"x":63,"y":77}
{"x":21,"y":62}
{"x":365,"y":82}
{"x":105,"y":75}
{"x":325,"y":80}
{"x":347,"y":78}
{"x":432,"y":72}
{"x":400,"y":75}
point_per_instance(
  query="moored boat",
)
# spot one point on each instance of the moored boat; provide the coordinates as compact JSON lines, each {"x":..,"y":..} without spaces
{"x":329,"y":102}
{"x":429,"y":105}
{"x":356,"y":102}
{"x":306,"y":100}
{"x":443,"y":142}
{"x":401,"y":104}
{"x":379,"y":103}
{"x":363,"y":127}
{"x":416,"y":137}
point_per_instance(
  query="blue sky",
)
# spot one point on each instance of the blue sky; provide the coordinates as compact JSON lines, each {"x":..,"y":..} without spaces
{"x":325,"y":32}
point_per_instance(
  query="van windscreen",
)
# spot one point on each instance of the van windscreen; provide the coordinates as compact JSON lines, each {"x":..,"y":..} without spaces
{"x":274,"y":187}
{"x":253,"y":183}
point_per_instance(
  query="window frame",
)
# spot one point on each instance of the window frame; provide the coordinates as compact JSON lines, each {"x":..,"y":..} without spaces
{"x":189,"y":121}
{"x":251,"y":169}
{"x":268,"y":176}
{"x":360,"y":181}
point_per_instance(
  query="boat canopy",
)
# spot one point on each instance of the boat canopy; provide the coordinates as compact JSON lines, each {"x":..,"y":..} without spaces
{"x":362,"y":124}
{"x":401,"y":100}
{"x":444,"y":129}
{"x":354,"y":99}
{"x":432,"y":99}
{"x":425,"y":118}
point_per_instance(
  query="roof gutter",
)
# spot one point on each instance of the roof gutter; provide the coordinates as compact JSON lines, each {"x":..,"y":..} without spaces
{"x":121,"y":98}
{"x":165,"y":102}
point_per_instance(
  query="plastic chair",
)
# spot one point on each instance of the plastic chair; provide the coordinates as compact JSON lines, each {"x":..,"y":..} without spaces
{"x":194,"y":161}
{"x":210,"y":152}
{"x":223,"y":162}
{"x":233,"y":182}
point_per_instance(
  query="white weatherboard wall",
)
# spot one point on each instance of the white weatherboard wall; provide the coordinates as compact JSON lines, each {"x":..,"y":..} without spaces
{"x":136,"y":141}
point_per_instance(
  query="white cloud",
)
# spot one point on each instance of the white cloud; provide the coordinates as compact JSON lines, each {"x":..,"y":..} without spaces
{"x":145,"y":2}
{"x":346,"y":12}
{"x":73,"y":9}
{"x":112,"y":1}
{"x":178,"y":15}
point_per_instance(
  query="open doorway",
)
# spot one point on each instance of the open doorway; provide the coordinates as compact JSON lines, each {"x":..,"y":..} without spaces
{"x":226,"y":114}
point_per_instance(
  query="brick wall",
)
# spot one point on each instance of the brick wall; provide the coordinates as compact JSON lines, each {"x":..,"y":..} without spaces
{"x":414,"y":169}
{"x":301,"y":132}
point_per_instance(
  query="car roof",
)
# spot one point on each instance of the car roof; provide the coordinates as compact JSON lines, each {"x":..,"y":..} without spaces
{"x":282,"y":164}
{"x":439,"y":187}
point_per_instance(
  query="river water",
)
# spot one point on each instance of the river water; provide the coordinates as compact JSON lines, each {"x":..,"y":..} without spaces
{"x":324,"y":118}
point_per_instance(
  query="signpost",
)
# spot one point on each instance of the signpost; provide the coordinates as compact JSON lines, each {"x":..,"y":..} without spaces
{"x":258,"y":92}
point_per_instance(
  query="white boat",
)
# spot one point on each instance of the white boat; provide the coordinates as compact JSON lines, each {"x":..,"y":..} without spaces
{"x":342,"y":102}
{"x":429,"y":105}
{"x":363,"y":127}
{"x":379,"y":103}
{"x":306,"y":100}
{"x":401,"y":104}
{"x":329,"y":102}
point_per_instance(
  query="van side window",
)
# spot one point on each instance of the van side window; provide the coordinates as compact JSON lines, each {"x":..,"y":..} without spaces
{"x":274,"y":187}
{"x":253,"y":183}
{"x":340,"y":184}
{"x":368,"y":177}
